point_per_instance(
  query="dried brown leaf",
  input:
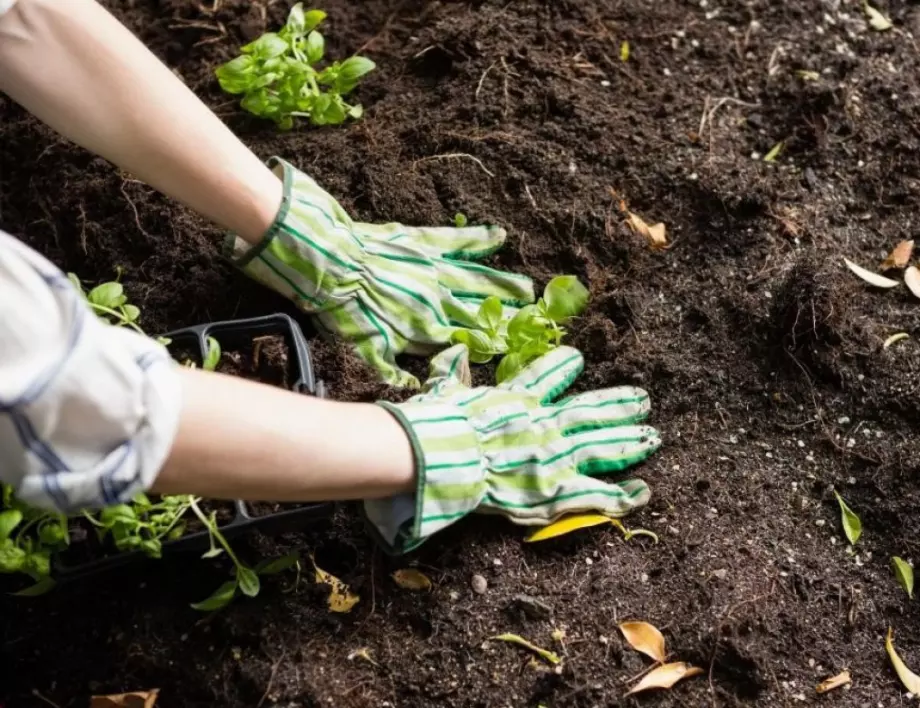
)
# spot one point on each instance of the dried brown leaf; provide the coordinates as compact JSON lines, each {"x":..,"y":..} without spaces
{"x":879,"y":281}
{"x":135,"y":699}
{"x":899,"y":256}
{"x":834,"y":682}
{"x":656,"y":233}
{"x":910,"y":680}
{"x":665,"y":676}
{"x":645,"y":638}
{"x":912,"y":280}
{"x":411,"y":579}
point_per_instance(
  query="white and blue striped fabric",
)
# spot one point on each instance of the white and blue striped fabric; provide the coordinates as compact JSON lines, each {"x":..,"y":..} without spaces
{"x":88,"y":411}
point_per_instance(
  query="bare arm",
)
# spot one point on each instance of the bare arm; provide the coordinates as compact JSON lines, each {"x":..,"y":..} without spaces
{"x":78,"y":69}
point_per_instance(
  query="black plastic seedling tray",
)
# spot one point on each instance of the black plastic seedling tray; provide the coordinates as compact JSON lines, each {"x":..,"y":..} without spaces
{"x":231,"y":334}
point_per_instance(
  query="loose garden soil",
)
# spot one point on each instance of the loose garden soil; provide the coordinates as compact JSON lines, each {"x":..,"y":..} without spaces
{"x":763,"y":354}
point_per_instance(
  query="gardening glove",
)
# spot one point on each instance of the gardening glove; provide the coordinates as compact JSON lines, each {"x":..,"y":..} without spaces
{"x":510,"y":450}
{"x":388,"y":289}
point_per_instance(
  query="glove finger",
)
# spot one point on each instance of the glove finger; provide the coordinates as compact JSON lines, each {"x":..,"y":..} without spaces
{"x":606,"y":450}
{"x":549,"y":375}
{"x":577,"y":495}
{"x":465,"y":243}
{"x":471,"y":281}
{"x":375,"y":343}
{"x":623,"y":405}
{"x":450,"y":368}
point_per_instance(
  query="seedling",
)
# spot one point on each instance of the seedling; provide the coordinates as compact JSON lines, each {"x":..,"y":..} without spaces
{"x":278,"y":77}
{"x":532,"y":332}
{"x":460,"y":220}
{"x":29,"y":537}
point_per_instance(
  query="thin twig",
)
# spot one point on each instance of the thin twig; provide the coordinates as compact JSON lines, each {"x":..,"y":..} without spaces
{"x":271,"y":679}
{"x":483,"y":78}
{"x":137,"y":216}
{"x":455,"y":155}
{"x":38,"y":695}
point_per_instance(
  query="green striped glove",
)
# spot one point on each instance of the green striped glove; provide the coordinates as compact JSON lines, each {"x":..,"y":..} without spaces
{"x":510,"y":450}
{"x":387,"y":288}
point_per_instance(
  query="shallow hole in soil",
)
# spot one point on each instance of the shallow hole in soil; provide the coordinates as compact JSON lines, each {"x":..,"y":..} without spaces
{"x":265,"y":358}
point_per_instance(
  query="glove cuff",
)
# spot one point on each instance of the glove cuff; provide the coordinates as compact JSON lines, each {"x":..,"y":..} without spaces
{"x":450,"y":476}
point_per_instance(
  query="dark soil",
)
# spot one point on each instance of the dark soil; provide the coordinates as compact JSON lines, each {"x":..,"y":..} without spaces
{"x":264,"y":359}
{"x":763,"y":354}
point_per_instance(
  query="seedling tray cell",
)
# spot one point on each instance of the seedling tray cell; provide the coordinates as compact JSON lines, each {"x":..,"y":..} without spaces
{"x":232,"y":335}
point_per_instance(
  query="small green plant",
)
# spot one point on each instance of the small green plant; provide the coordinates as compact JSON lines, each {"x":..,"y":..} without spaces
{"x":278,"y":77}
{"x":532,"y":332}
{"x":460,"y":220}
{"x":29,"y":536}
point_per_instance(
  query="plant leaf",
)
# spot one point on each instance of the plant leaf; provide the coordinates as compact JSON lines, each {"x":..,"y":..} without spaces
{"x":910,"y":680}
{"x":566,"y":525}
{"x":40,"y":588}
{"x":135,"y":699}
{"x":624,"y":50}
{"x":645,"y":638}
{"x":912,"y":280}
{"x":212,"y":359}
{"x":131,"y":312}
{"x":894,"y":338}
{"x":656,"y":234}
{"x":905,"y":575}
{"x":107,"y":295}
{"x":248,"y":580}
{"x":899,"y":256}
{"x":9,"y":520}
{"x":520,"y":641}
{"x":833,"y":682}
{"x":490,"y":313}
{"x":219,"y":598}
{"x":341,"y":599}
{"x":665,"y":676}
{"x":852,"y":526}
{"x":774,"y":152}
{"x":478,"y":343}
{"x":411,"y":579}
{"x":877,"y":20}
{"x":277,"y":565}
{"x":879,"y":281}
{"x":565,"y":297}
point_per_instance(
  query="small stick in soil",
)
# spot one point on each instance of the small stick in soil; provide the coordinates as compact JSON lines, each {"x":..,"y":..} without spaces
{"x":483,"y":78}
{"x":39,"y":696}
{"x":137,"y":216}
{"x":271,"y":678}
{"x":454,"y":156}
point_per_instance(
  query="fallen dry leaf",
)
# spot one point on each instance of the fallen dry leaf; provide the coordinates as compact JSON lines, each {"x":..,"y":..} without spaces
{"x":899,"y":256}
{"x":894,"y":338}
{"x":910,"y":680}
{"x":656,"y":234}
{"x":136,"y":699}
{"x":362,"y":653}
{"x":665,"y":676}
{"x":645,"y":638}
{"x":879,"y":281}
{"x":341,"y":599}
{"x":520,"y":641}
{"x":566,"y":525}
{"x":411,"y":579}
{"x":834,"y":682}
{"x":912,"y":280}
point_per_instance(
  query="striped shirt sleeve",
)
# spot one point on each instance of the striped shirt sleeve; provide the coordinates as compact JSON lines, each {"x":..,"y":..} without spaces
{"x":88,"y":411}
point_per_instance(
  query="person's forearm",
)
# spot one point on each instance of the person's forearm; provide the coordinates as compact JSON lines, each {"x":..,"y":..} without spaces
{"x":240,"y":440}
{"x":79,"y":70}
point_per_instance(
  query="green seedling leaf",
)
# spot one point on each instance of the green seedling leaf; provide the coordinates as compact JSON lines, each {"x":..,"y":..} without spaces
{"x":508,"y":367}
{"x":549,"y":656}
{"x":905,"y":575}
{"x":9,"y":520}
{"x":490,"y":314}
{"x":774,"y":152}
{"x":40,"y":588}
{"x":296,"y":21}
{"x":212,"y":359}
{"x":212,"y":552}
{"x":238,"y":75}
{"x":268,"y":46}
{"x":75,"y":281}
{"x":877,"y":20}
{"x":110,"y":295}
{"x":52,"y":534}
{"x":219,"y":598}
{"x":478,"y":343}
{"x":277,"y":565}
{"x":248,"y":581}
{"x":460,"y":220}
{"x":565,"y":297}
{"x":316,"y":46}
{"x":852,"y":526}
{"x":624,"y":51}
{"x":131,"y":313}
{"x":12,"y":558}
{"x":910,"y":680}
